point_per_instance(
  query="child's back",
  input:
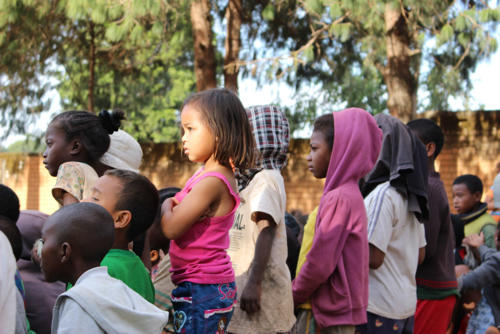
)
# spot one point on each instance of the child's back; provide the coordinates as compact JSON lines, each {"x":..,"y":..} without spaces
{"x":126,"y":266}
{"x":396,"y":199}
{"x":110,"y":307}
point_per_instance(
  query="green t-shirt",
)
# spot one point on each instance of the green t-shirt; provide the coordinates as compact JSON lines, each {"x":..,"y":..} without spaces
{"x":128,"y":268}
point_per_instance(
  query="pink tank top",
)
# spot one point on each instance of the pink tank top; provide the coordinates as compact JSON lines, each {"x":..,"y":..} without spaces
{"x":200,"y":256}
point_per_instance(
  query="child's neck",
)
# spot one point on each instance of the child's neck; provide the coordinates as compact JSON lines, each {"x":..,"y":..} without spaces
{"x":430,"y":165}
{"x":80,"y":268}
{"x":120,"y":243}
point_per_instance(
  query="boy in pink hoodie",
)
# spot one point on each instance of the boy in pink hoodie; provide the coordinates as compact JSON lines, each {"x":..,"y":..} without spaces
{"x":334,"y":278}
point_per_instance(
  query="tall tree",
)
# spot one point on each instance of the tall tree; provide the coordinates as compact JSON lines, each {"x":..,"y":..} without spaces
{"x":386,"y":42}
{"x":107,"y":53}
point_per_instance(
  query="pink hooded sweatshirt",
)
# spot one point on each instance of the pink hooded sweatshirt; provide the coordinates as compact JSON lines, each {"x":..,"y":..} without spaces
{"x":335,"y":275}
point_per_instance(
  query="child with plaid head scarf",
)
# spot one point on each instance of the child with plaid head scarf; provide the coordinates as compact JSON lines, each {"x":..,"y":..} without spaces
{"x":258,"y":247}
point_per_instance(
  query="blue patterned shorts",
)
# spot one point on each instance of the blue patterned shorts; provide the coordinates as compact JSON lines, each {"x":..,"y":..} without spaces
{"x":203,"y":308}
{"x":481,"y":318}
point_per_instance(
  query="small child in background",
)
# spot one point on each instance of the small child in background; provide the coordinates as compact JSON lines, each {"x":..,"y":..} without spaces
{"x":132,"y":201}
{"x":75,"y":240}
{"x":76,"y":140}
{"x":216,"y":133}
{"x":472,"y":216}
{"x":344,"y":147}
{"x":485,"y":277}
{"x":436,"y":282}
{"x":258,"y":238}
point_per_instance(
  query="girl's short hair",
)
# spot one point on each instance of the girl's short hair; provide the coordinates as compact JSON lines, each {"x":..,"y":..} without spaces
{"x":226,"y":117}
{"x":92,"y":130}
{"x":325,"y":125}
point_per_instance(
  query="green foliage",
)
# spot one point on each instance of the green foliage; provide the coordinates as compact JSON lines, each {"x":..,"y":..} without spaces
{"x":141,"y":56}
{"x":27,"y":145}
{"x":347,"y":54}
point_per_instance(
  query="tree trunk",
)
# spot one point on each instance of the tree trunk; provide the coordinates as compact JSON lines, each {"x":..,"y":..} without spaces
{"x":204,"y":53}
{"x":232,"y":44}
{"x":401,"y":83}
{"x":90,"y":98}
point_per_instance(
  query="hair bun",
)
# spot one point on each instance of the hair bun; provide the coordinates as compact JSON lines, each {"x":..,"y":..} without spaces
{"x":111,"y":120}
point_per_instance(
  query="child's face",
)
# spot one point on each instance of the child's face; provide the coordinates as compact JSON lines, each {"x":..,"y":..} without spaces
{"x":51,"y":254}
{"x":198,"y":141}
{"x":57,"y":151}
{"x":106,"y":192}
{"x":463,"y":200}
{"x":319,"y":157}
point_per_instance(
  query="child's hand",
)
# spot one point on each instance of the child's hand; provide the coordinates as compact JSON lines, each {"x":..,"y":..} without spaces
{"x":168,"y":205}
{"x":474,"y":240}
{"x":250,"y":298}
{"x":461,"y":269}
{"x":36,"y":252}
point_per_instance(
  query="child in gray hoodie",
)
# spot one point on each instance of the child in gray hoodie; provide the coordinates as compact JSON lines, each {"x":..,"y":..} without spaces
{"x":75,"y":240}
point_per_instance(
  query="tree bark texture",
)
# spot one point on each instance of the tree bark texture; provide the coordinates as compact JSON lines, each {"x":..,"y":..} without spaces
{"x":204,"y":53}
{"x":92,"y":55}
{"x":232,"y":44}
{"x":401,"y":83}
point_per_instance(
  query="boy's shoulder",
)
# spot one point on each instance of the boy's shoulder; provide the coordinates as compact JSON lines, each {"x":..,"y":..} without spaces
{"x":121,"y":260}
{"x":485,"y":219}
{"x":112,"y":304}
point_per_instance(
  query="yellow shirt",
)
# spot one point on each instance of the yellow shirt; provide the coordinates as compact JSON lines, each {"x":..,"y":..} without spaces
{"x":307,"y":241}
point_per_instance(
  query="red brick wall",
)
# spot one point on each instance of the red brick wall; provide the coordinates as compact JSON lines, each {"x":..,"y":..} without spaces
{"x":472,"y":145}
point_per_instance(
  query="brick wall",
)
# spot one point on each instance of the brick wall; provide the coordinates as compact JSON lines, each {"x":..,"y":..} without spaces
{"x":472,"y":145}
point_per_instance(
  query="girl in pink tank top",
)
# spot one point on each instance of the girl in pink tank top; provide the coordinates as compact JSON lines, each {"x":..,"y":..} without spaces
{"x":216,"y":133}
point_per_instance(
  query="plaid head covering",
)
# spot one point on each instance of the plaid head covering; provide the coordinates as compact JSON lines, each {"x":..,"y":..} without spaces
{"x":272,"y":136}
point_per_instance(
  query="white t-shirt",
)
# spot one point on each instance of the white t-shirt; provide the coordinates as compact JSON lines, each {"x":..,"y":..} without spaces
{"x":396,"y":232}
{"x":7,"y":287}
{"x":265,"y":193}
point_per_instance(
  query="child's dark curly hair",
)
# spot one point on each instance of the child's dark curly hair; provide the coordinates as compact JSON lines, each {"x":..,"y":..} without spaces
{"x":93,"y":131}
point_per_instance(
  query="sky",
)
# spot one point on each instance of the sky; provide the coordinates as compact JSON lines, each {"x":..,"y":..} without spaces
{"x":485,"y":94}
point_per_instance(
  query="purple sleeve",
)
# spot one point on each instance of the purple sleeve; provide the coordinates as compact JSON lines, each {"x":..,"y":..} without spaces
{"x":329,"y":238}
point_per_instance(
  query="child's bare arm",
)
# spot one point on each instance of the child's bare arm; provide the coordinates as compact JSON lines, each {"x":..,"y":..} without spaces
{"x":250,"y":297}
{"x":421,"y":255}
{"x":178,"y":218}
{"x":376,"y":257}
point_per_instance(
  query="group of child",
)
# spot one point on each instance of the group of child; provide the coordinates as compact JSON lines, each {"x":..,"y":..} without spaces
{"x":378,"y":255}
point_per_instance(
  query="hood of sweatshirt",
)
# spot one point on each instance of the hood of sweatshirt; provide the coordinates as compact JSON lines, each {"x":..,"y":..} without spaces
{"x":114,"y":306}
{"x":356,"y":145}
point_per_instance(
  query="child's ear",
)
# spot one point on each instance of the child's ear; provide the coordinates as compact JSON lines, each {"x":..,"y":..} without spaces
{"x":65,"y":252}
{"x":122,"y":219}
{"x":477,"y":196}
{"x":76,"y":147}
{"x":431,"y":149}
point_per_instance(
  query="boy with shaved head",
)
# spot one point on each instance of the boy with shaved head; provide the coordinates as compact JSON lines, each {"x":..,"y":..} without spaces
{"x":75,"y":240}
